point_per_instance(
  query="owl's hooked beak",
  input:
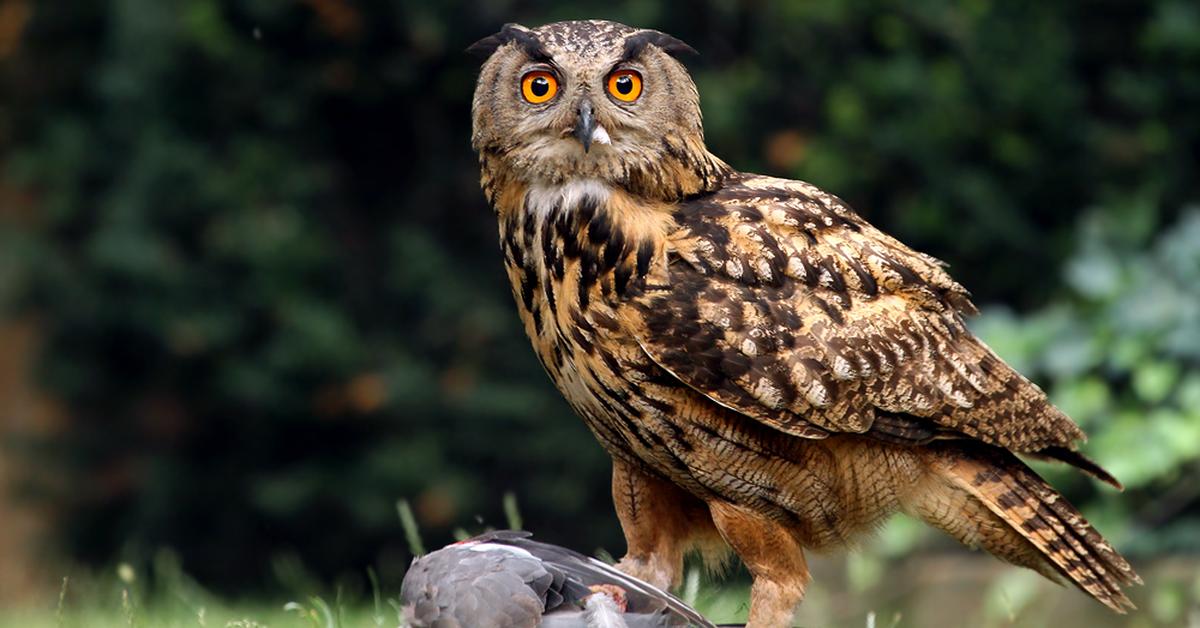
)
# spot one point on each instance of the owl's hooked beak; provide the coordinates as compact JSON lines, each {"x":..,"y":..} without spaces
{"x":585,"y":124}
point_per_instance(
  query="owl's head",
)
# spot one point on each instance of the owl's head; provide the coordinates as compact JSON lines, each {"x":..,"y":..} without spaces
{"x":591,"y":100}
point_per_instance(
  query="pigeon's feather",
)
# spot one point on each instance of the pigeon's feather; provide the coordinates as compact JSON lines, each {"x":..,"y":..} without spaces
{"x":505,"y":579}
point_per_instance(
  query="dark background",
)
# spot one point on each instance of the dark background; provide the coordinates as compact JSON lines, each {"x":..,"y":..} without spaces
{"x":251,"y":282}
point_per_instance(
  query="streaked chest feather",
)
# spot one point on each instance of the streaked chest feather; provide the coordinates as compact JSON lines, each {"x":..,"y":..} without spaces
{"x":573,"y":254}
{"x":571,"y":257}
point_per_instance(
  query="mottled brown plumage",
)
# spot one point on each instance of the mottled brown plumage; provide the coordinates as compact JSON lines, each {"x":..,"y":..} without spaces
{"x":768,"y":371}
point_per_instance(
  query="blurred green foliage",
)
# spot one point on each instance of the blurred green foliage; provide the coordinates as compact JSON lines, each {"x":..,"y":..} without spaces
{"x":1119,"y":350}
{"x":252,"y":236}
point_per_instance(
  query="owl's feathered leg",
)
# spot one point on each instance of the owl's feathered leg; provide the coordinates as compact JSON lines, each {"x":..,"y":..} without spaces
{"x":661,"y":523}
{"x":774,"y":557}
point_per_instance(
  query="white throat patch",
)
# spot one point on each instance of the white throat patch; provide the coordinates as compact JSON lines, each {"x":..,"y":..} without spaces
{"x":543,"y":199}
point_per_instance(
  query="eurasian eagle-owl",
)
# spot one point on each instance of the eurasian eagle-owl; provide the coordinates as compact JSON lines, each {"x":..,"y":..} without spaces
{"x":768,"y":371}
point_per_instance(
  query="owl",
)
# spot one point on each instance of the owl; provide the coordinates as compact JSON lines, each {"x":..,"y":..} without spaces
{"x":768,"y":371}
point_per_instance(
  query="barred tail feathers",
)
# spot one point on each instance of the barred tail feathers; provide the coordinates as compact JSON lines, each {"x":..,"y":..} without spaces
{"x":1032,"y":508}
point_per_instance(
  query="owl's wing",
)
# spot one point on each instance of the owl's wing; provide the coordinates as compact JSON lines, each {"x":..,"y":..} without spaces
{"x":779,"y":302}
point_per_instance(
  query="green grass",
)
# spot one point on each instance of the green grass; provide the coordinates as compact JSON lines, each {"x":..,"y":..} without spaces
{"x":933,"y":590}
{"x":115,"y":600}
{"x":119,"y":597}
{"x":944,"y":590}
{"x":877,"y":587}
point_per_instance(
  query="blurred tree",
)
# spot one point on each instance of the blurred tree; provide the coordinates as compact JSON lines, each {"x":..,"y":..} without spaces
{"x":252,"y":236}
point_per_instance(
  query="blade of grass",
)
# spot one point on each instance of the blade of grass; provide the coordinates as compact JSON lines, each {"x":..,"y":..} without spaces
{"x":127,"y":607}
{"x":511,"y":513}
{"x":319,"y":604}
{"x":62,"y":603}
{"x":691,"y":586}
{"x":374,"y":578}
{"x":409,"y":523}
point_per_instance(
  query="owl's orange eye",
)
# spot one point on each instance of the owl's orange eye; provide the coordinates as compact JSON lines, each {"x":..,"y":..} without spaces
{"x":539,"y":86}
{"x":625,"y":85}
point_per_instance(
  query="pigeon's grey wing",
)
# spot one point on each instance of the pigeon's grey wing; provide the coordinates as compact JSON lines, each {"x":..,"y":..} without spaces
{"x":464,"y":586}
{"x":643,"y":598}
{"x":499,"y":535}
{"x":562,"y":589}
{"x":475,"y":583}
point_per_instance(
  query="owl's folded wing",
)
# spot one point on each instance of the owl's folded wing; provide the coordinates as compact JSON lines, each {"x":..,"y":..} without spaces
{"x":781,"y":303}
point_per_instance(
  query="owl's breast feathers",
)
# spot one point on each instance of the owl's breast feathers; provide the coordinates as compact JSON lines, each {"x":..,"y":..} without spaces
{"x":767,"y":297}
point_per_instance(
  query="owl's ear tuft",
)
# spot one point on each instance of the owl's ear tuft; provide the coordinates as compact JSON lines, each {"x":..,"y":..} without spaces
{"x":484,"y":48}
{"x":637,"y":42}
